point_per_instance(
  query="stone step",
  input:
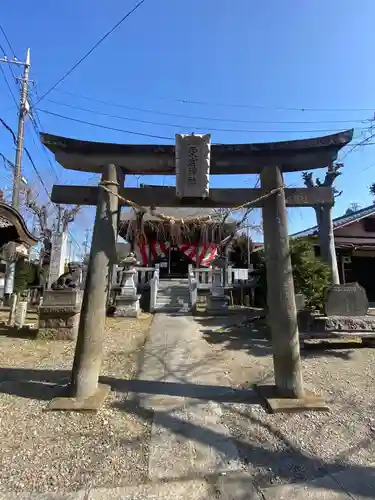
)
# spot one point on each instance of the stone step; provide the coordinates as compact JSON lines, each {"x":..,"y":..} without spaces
{"x":166,"y":296}
{"x":173,"y":299}
{"x":173,"y":305}
{"x":172,"y":296}
{"x":172,"y":309}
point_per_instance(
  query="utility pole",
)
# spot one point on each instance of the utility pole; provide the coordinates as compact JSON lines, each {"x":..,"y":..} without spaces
{"x":70,"y":247}
{"x":86,"y":242}
{"x":59,"y":217}
{"x":22,"y":113}
{"x":23,"y":110}
{"x":17,"y":175}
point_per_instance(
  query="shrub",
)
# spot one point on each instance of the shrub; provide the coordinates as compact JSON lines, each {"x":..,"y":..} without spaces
{"x":26,"y":275}
{"x":310,"y":274}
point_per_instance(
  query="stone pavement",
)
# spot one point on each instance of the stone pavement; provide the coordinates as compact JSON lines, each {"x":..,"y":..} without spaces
{"x":189,"y":444}
{"x":191,"y":453}
{"x":332,"y":487}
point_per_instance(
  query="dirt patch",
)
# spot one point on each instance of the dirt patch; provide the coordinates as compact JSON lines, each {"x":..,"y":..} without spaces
{"x":286,"y":448}
{"x":47,"y":451}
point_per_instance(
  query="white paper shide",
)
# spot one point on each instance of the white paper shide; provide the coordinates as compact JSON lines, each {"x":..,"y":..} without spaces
{"x":193,"y":165}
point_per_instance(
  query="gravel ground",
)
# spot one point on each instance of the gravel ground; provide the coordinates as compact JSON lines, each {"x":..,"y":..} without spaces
{"x":52,"y":451}
{"x":285,"y":448}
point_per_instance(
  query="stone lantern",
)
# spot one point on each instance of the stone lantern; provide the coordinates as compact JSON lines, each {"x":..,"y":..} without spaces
{"x":127,"y":302}
{"x":217,"y":302}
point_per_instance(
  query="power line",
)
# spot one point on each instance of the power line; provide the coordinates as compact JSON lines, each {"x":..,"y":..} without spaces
{"x":186,"y":127}
{"x":208,"y":118}
{"x":14,"y":137}
{"x":37,"y":172}
{"x":105,"y":127}
{"x":363,"y":142}
{"x":10,"y":165}
{"x":7,"y":84}
{"x":260,"y":106}
{"x":128,"y":14}
{"x":15,"y":101}
{"x":37,"y":144}
{"x":169,"y":125}
{"x":7,"y":41}
{"x":140,"y":133}
{"x":3,"y":122}
{"x":13,"y":55}
{"x":27,"y":153}
{"x":5,"y":77}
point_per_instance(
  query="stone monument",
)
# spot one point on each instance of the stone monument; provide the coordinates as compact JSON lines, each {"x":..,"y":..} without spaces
{"x":345,"y":314}
{"x":127,"y":300}
{"x":58,"y":252}
{"x":217,"y":303}
{"x":345,"y":300}
{"x":60,"y":312}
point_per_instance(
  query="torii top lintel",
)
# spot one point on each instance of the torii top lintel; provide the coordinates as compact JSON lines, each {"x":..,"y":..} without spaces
{"x":291,"y":156}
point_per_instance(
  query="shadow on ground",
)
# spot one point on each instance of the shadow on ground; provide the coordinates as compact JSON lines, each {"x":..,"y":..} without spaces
{"x":43,"y":385}
{"x":46,"y":384}
{"x":251,"y":334}
{"x":17,"y":333}
{"x":283,"y":462}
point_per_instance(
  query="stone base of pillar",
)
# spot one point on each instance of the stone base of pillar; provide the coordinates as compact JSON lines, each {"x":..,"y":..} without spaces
{"x":92,"y":403}
{"x":276,"y":403}
{"x":127,"y":307}
{"x":59,"y":315}
{"x":217,"y":305}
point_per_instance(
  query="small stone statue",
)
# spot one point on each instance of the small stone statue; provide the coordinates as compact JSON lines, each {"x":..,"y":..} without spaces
{"x":68,"y":280}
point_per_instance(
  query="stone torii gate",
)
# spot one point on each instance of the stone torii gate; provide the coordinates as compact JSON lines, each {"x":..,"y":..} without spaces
{"x":270,"y":160}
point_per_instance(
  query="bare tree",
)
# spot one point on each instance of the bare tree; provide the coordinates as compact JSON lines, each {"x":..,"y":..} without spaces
{"x":64,"y":216}
{"x":224,"y":245}
{"x":324,"y":218}
{"x":331,"y":175}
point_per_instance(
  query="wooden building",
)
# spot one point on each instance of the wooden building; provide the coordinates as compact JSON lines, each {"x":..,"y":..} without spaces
{"x":354,"y":235}
{"x":174,"y":246}
{"x":12,"y":229}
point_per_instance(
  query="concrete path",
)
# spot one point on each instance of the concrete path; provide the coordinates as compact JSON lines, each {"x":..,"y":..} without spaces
{"x":189,"y":444}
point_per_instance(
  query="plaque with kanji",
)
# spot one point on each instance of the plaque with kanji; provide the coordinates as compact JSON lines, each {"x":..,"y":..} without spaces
{"x":192,"y":165}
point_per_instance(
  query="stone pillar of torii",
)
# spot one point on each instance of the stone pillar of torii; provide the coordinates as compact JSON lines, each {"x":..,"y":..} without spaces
{"x":193,"y":159}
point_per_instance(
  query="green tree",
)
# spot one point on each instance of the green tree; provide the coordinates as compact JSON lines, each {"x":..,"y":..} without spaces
{"x":26,"y":275}
{"x":310,"y":274}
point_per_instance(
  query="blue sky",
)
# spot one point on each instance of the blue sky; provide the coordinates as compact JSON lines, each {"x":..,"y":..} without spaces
{"x":265,"y":57}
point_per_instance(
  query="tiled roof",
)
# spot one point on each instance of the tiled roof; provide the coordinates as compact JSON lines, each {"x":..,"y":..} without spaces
{"x":341,"y":221}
